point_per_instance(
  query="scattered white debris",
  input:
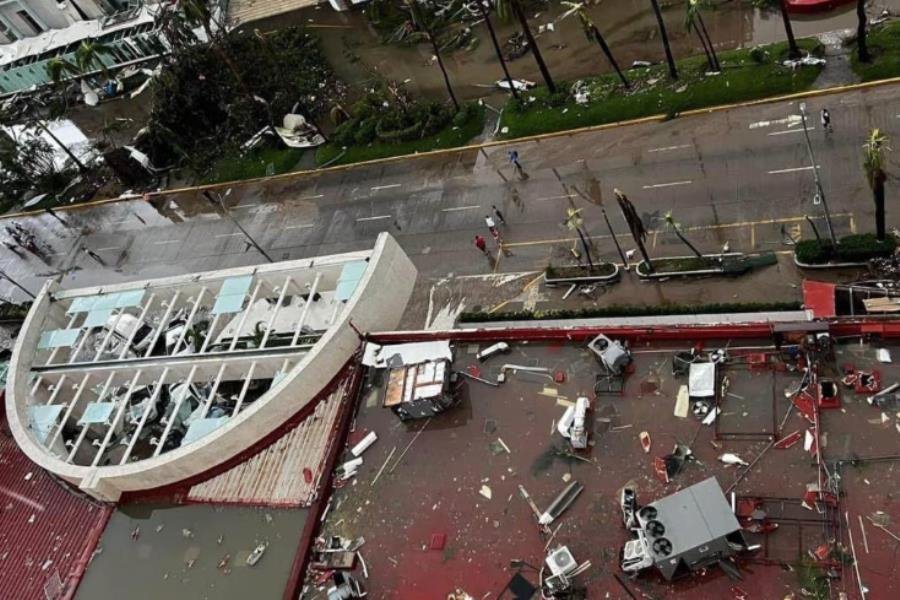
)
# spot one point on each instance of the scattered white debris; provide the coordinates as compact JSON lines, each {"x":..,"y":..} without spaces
{"x":486,"y":492}
{"x":28,"y":476}
{"x":732,"y":459}
{"x":883,"y":355}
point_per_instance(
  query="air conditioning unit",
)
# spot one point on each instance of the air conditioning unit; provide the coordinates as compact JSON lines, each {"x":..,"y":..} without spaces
{"x":561,"y":561}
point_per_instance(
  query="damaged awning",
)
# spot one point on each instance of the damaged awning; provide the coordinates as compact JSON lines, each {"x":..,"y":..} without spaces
{"x":399,"y":355}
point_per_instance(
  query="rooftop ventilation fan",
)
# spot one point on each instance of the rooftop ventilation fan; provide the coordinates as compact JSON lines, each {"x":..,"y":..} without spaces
{"x":655,"y":528}
{"x":662,"y":546}
{"x":648,"y":513}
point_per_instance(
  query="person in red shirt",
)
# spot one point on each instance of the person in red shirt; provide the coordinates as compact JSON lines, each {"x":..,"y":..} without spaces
{"x":481,"y":244}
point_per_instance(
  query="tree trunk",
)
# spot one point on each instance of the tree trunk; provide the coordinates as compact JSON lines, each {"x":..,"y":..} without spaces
{"x":814,"y":229}
{"x":643,"y":251}
{"x":862,"y":49}
{"x":673,"y":72}
{"x":532,"y":45}
{"x":712,"y":50}
{"x":685,"y":241}
{"x":609,"y":56}
{"x":793,"y":49}
{"x":878,"y":196}
{"x":709,"y":59}
{"x":440,"y":61}
{"x":490,"y":28}
{"x":614,"y":238}
{"x":586,"y":247}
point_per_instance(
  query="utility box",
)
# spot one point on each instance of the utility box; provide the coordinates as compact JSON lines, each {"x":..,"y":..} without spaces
{"x":419,"y":390}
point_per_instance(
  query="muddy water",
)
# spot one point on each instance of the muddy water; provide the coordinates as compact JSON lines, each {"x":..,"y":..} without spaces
{"x":155,"y":565}
{"x":354,"y":48}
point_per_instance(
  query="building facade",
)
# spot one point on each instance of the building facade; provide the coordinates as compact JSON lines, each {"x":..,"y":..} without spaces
{"x":21,"y":19}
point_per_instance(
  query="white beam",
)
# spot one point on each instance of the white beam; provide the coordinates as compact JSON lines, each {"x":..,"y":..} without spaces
{"x":120,"y":412}
{"x":190,"y":320}
{"x":68,"y":411}
{"x":271,"y":323}
{"x":184,"y":392}
{"x":84,"y":336}
{"x":247,"y":379}
{"x":243,"y":321}
{"x":212,"y":393}
{"x":109,"y":334}
{"x":56,"y":390}
{"x":309,"y":300}
{"x":137,"y":326}
{"x":163,"y":323}
{"x":86,"y":426}
{"x":209,"y":334}
{"x":150,"y":402}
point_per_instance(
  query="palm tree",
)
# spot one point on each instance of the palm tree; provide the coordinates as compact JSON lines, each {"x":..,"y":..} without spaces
{"x":420,"y":22}
{"x":490,"y":28}
{"x":862,"y":49}
{"x":670,"y":222}
{"x":58,"y":67}
{"x":781,"y":5}
{"x":88,"y":54}
{"x":673,"y":72}
{"x":595,"y":197}
{"x":873,"y":164}
{"x":532,"y":45}
{"x":693,"y":20}
{"x":635,"y":224}
{"x":592,"y":33}
{"x":574,"y":221}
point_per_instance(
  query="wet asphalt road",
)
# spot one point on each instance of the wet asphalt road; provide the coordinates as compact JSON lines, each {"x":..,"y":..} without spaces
{"x":735,"y":176}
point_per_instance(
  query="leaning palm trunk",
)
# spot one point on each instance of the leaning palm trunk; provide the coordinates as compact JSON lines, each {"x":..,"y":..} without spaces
{"x":793,"y":49}
{"x":638,"y":232}
{"x":497,"y":51}
{"x":862,"y":48}
{"x":716,"y":66}
{"x":685,"y":241}
{"x":673,"y":72}
{"x":878,"y":197}
{"x":586,"y":246}
{"x":532,"y":44}
{"x":604,"y":47}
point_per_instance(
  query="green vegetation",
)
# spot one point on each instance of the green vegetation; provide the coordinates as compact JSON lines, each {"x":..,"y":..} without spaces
{"x":604,"y":269}
{"x":375,"y":131}
{"x":254,"y":164}
{"x":884,"y":47}
{"x":851,"y":248}
{"x":616,"y":310}
{"x":746,"y":75}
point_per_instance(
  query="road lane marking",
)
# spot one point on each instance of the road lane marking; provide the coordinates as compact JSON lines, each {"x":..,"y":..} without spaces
{"x":229,"y":234}
{"x":166,"y":241}
{"x":790,"y":131}
{"x":792,"y":170}
{"x":668,"y":148}
{"x":119,"y":222}
{"x":243,"y":206}
{"x":552,"y":198}
{"x":375,"y":188}
{"x":378,"y":218}
{"x":310,"y":197}
{"x":670,"y":184}
{"x":304,"y":226}
{"x":456,"y":208}
{"x":109,"y":248}
{"x":790,"y":121}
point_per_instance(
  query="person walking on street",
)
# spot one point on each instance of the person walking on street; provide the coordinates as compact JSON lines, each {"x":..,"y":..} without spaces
{"x":492,"y":226}
{"x":481,"y":245}
{"x":513,"y":156}
{"x":825,"y":117}
{"x":498,"y":214}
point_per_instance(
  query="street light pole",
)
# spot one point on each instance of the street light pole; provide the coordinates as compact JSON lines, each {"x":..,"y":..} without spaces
{"x":17,"y":284}
{"x":819,"y":191}
{"x":218,"y":202}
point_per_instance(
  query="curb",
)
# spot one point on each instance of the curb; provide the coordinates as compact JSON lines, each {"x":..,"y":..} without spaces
{"x":473,"y":147}
{"x":828,"y":265}
{"x":614,"y":276}
{"x":695,"y":273}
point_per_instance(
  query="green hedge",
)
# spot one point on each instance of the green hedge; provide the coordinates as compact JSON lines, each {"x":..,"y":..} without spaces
{"x":852,"y":248}
{"x":616,"y":310}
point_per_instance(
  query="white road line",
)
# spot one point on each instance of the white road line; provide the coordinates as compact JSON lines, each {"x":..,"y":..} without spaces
{"x":552,"y":198}
{"x":456,"y":208}
{"x":670,"y":184}
{"x":244,"y":205}
{"x":385,"y":187}
{"x":373,"y":218}
{"x":109,"y":248}
{"x":304,"y":226}
{"x":790,"y":131}
{"x":119,"y":222}
{"x":793,"y":170}
{"x":229,"y":234}
{"x":789,"y":121}
{"x":310,"y":197}
{"x":667,"y":148}
{"x":166,"y":241}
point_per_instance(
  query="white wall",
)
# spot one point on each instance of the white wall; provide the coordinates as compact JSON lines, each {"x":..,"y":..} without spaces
{"x":49,"y":15}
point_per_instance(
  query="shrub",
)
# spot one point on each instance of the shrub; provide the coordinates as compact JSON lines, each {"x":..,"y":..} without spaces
{"x":758,"y":55}
{"x":557,"y":99}
{"x":365,"y":132}
{"x":852,"y":248}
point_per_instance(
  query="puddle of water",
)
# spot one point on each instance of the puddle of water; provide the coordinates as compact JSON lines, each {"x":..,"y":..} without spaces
{"x":154,"y":564}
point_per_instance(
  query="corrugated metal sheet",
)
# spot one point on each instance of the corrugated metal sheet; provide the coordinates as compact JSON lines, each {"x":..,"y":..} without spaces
{"x":274,"y":476}
{"x":46,"y":531}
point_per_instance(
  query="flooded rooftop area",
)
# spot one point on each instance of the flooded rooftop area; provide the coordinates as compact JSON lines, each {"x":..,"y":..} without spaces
{"x":441,"y":502}
{"x":193,"y":551}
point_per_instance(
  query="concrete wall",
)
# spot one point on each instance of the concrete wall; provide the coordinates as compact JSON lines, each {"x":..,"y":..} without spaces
{"x":377,"y":304}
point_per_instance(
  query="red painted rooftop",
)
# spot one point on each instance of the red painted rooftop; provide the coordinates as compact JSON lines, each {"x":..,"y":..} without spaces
{"x":45,"y":529}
